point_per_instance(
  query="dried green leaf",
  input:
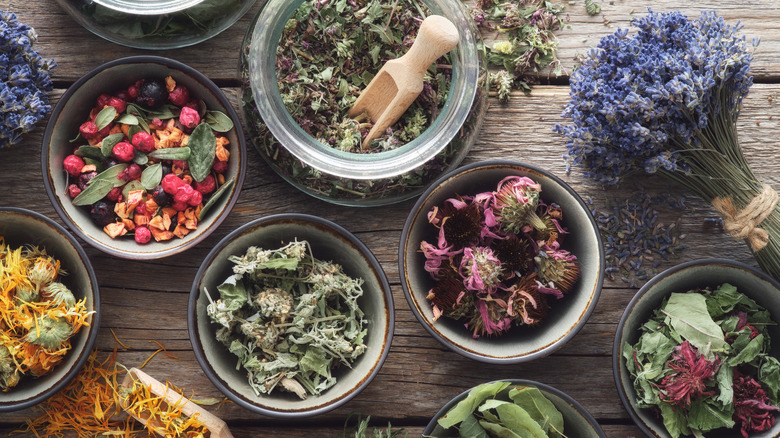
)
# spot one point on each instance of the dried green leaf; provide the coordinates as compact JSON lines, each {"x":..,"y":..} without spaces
{"x":151,"y":176}
{"x":87,"y":151}
{"x":105,"y":117}
{"x":171,"y":153}
{"x":203,"y":144}
{"x":128,"y":119}
{"x":100,"y":185}
{"x":132,"y":186}
{"x":224,"y":188}
{"x":108,"y":143}
{"x":218,"y":121}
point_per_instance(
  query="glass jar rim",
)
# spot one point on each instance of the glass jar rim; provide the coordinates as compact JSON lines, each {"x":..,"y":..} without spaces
{"x":262,"y":77}
{"x":148,"y":7}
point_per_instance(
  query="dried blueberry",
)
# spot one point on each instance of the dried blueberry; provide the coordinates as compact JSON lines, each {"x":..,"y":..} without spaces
{"x":84,"y":178}
{"x":166,"y":168}
{"x":110,"y":163}
{"x":160,"y":197}
{"x":102,"y":213}
{"x":151,"y":94}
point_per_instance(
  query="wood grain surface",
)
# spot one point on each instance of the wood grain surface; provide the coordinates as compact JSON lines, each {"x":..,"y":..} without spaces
{"x":145,"y":302}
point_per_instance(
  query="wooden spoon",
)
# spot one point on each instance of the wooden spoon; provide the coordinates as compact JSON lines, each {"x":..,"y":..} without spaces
{"x":400,"y":80}
{"x":216,"y":426}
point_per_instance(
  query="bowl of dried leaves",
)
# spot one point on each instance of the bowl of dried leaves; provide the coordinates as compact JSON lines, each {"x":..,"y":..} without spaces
{"x":143,"y":157}
{"x":501,"y":261}
{"x":290,"y":316}
{"x":695,"y":352}
{"x":513,"y":407}
{"x":49,"y":305}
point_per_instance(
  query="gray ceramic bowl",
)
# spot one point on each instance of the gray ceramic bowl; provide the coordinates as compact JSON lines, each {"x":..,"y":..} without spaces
{"x":519,"y":344}
{"x":70,"y":113}
{"x":329,"y":242}
{"x":682,"y":278}
{"x":577,"y":422}
{"x":24,"y":227}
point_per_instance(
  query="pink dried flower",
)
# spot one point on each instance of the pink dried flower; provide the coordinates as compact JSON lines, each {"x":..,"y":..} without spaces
{"x":481,"y":269}
{"x":692,"y":372}
{"x":515,"y":203}
{"x":752,"y":410}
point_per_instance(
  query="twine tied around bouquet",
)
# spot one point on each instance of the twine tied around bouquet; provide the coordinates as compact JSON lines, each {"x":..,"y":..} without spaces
{"x":743,"y":224}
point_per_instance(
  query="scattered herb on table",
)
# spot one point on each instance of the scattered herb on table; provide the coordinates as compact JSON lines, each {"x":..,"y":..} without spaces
{"x":501,"y":409}
{"x":329,"y":52}
{"x":25,"y":79}
{"x":289,"y":318}
{"x":38,"y":314}
{"x":665,"y":100}
{"x":498,"y":257}
{"x":362,"y":431}
{"x":528,"y":44}
{"x":150,"y":161}
{"x":702,"y":361}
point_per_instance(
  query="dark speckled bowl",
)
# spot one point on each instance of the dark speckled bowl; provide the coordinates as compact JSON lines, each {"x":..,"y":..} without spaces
{"x":682,"y":278}
{"x":329,"y":242}
{"x":519,"y":344}
{"x":577,"y":422}
{"x":24,"y":227}
{"x":72,"y":110}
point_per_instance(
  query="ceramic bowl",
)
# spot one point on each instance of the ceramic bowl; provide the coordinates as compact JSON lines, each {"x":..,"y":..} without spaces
{"x":577,"y":422}
{"x":519,"y":344}
{"x":328,"y":242}
{"x":682,"y":278}
{"x":70,"y":113}
{"x":21,"y":227}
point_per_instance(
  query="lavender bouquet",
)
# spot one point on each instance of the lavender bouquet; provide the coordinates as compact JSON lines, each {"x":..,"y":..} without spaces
{"x":666,"y":101}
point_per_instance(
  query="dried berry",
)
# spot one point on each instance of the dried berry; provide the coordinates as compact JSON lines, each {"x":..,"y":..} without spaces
{"x":171,"y":183}
{"x":151,"y":93}
{"x":115,"y":195}
{"x":102,"y":213}
{"x":73,"y":165}
{"x":132,"y":172}
{"x":88,"y":130}
{"x":166,"y":168}
{"x":110,"y":162}
{"x":102,"y":100}
{"x":143,"y":141}
{"x":179,"y":96}
{"x":118,"y":104}
{"x":189,"y":118}
{"x":123,"y":151}
{"x":207,"y":185}
{"x":219,"y":166}
{"x":142,"y":235}
{"x":84,"y":178}
{"x":73,"y":190}
{"x":160,"y":197}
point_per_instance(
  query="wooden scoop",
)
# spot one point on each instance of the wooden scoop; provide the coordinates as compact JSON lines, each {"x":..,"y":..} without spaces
{"x":400,"y":80}
{"x":216,"y":426}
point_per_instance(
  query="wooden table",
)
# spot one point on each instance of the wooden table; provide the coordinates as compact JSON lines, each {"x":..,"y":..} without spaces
{"x":147,"y":301}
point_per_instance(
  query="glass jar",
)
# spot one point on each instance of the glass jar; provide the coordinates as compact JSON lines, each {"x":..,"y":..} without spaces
{"x":156,"y":24}
{"x":361,"y":179}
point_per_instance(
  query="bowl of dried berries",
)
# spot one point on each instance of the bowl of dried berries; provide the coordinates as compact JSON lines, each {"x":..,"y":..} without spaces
{"x":695,"y":352}
{"x":290,"y":316}
{"x":514,"y":408}
{"x":49,"y":305}
{"x":501,"y":261}
{"x":143,"y":157}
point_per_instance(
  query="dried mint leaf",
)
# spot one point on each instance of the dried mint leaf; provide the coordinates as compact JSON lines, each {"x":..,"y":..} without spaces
{"x":689,"y":317}
{"x":128,"y":119}
{"x":203,"y":145}
{"x":218,"y":121}
{"x":105,"y":117}
{"x":151,"y":176}
{"x":100,"y":185}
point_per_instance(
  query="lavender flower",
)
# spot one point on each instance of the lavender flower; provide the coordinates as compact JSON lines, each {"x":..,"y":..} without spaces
{"x":24,"y":80}
{"x":638,"y":101}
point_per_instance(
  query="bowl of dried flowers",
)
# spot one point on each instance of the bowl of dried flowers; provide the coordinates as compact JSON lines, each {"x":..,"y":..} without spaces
{"x":501,"y":261}
{"x":513,"y":407}
{"x":143,"y":157}
{"x":290,"y":316}
{"x":692,"y":352}
{"x":50,"y":306}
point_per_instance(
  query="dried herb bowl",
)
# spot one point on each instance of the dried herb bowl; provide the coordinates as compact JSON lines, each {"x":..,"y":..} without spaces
{"x":353,"y":178}
{"x":19,"y":228}
{"x":697,"y":274}
{"x":577,"y":421}
{"x":73,"y":109}
{"x":523,"y":342}
{"x":328,"y":242}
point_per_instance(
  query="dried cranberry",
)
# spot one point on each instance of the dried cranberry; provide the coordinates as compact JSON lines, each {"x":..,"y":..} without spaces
{"x":189,"y":118}
{"x":219,"y":166}
{"x":132,"y":91}
{"x":102,"y":100}
{"x":151,"y":93}
{"x":207,"y":185}
{"x":195,"y":198}
{"x":140,"y":208}
{"x":143,"y":141}
{"x":73,"y":165}
{"x":179,"y":96}
{"x":160,"y":197}
{"x":171,"y":183}
{"x":142,"y":235}
{"x":183,"y":194}
{"x":118,"y":104}
{"x":123,"y":151}
{"x":181,"y":164}
{"x":102,"y":213}
{"x":88,"y":130}
{"x":124,"y":95}
{"x":179,"y":206}
{"x":132,"y":172}
{"x":73,"y":190}
{"x":115,"y":195}
{"x":84,"y":178}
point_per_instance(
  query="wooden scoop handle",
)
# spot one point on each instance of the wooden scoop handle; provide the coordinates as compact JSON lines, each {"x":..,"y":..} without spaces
{"x":437,"y":36}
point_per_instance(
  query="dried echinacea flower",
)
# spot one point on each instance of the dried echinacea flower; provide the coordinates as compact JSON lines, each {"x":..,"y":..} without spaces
{"x":557,"y":269}
{"x":515,"y":204}
{"x":692,"y":374}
